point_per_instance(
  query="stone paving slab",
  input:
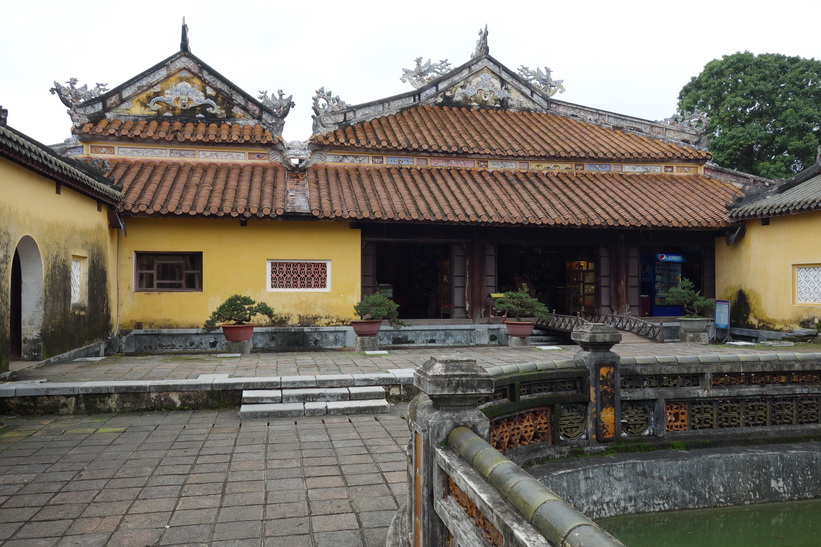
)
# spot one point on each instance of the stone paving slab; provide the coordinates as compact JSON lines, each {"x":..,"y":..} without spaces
{"x":200,"y":477}
{"x":305,"y":369}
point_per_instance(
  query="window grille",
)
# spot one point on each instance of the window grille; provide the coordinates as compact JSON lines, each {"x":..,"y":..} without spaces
{"x":77,"y":280}
{"x":289,"y":275}
{"x":808,"y":284}
{"x":168,"y":272}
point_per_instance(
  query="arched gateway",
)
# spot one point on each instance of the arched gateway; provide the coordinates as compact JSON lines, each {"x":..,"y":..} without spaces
{"x":26,"y":310}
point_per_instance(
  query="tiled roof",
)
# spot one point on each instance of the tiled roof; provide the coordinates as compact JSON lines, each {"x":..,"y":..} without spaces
{"x":789,"y":199}
{"x":427,"y":195}
{"x":150,"y":130}
{"x":39,"y":158}
{"x":502,"y":132}
{"x":201,"y":189}
{"x":519,"y":198}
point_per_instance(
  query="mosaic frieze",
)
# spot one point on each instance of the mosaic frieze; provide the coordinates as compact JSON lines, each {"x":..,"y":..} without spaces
{"x":217,"y":155}
{"x":551,"y":166}
{"x":143,"y":152}
{"x":734,"y":413}
{"x":533,"y":426}
{"x":469,"y":163}
{"x":486,"y":528}
{"x":182,"y":153}
{"x":348,"y":158}
{"x":102,"y":149}
{"x":447,"y":162}
{"x":484,"y":90}
{"x":642,"y":168}
{"x":399,"y":160}
{"x":572,"y":419}
{"x":74,"y":151}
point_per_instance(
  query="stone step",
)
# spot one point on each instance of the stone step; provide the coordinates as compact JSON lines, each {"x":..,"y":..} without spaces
{"x":317,"y":408}
{"x":308,"y":395}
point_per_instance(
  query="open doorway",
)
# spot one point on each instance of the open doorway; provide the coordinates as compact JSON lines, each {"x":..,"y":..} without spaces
{"x":417,"y":276}
{"x":26,"y":302}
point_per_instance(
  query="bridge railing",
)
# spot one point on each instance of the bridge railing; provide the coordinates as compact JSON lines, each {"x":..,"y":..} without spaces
{"x":536,"y":411}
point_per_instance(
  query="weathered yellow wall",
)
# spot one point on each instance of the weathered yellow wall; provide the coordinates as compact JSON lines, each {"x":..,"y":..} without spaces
{"x":61,"y":225}
{"x":761,"y":264}
{"x":234,"y":262}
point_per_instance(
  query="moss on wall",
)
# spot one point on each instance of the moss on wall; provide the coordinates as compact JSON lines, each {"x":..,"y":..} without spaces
{"x":65,"y":326}
{"x":6,"y":256}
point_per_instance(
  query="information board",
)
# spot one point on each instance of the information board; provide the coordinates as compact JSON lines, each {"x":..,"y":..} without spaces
{"x":722,"y":314}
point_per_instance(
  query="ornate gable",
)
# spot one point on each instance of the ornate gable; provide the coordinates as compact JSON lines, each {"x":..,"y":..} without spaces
{"x":180,"y":88}
{"x":485,"y":83}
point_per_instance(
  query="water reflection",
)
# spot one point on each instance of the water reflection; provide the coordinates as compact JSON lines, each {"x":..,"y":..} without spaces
{"x":790,"y":524}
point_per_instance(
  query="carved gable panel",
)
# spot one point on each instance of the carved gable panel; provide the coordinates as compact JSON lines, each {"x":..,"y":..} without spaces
{"x":182,"y":94}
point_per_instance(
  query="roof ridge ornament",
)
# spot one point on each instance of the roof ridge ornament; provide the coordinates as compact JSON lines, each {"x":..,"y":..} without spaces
{"x":542,"y":79}
{"x":184,"y":38}
{"x":482,"y":48}
{"x":696,"y":119}
{"x":423,"y":74}
{"x":71,"y":95}
{"x":280,"y":104}
{"x":325,"y":104}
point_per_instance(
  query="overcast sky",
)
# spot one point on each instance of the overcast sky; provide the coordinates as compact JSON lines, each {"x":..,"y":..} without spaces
{"x":630,"y":57}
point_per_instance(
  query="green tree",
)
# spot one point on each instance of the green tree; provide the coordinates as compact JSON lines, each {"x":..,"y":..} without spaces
{"x":764,"y":110}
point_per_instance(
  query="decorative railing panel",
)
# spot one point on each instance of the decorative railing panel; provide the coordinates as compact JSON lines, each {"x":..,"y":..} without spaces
{"x":742,"y":413}
{"x":522,"y":429}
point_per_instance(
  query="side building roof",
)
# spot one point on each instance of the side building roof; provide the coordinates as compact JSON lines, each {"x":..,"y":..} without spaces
{"x":39,"y":158}
{"x":799,"y":194}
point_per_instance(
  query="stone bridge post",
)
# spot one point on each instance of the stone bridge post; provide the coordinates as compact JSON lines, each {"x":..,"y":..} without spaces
{"x":596,"y":341}
{"x":450,"y":391}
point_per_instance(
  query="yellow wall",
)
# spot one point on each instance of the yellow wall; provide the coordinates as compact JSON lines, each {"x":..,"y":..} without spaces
{"x":61,"y":225}
{"x":761,"y":264}
{"x":234,"y":262}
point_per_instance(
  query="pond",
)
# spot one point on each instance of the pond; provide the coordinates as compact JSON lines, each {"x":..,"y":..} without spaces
{"x":787,"y":524}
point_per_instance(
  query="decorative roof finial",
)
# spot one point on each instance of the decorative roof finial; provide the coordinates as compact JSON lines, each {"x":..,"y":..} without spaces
{"x":4,"y":114}
{"x":184,"y":39}
{"x":481,"y":44}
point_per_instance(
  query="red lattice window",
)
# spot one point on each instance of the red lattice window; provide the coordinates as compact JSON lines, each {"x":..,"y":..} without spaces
{"x":290,"y":275}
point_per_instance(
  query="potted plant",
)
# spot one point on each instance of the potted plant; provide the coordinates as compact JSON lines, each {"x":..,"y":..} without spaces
{"x":234,"y":316}
{"x":697,"y":308}
{"x":524,"y":309}
{"x":372,"y":310}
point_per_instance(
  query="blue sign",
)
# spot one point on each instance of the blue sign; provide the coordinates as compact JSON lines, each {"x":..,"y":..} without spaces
{"x":666,"y":257}
{"x":722,"y":314}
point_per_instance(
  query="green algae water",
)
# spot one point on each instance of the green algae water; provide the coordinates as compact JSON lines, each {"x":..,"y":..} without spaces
{"x":788,"y":524}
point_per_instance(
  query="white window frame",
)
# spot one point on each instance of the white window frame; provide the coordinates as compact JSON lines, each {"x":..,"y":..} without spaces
{"x":79,"y":281}
{"x":800,"y":294}
{"x":271,"y":261}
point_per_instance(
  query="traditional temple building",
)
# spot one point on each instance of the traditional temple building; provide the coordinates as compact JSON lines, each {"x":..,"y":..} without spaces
{"x":475,"y":181}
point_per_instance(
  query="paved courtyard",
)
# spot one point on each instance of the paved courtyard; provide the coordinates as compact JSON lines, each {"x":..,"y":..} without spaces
{"x":208,"y":478}
{"x":200,"y":478}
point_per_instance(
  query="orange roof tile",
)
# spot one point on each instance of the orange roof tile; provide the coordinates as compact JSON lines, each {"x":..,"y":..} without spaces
{"x":201,"y":189}
{"x":151,"y":130}
{"x":427,"y":195}
{"x":519,"y":198}
{"x":502,"y":132}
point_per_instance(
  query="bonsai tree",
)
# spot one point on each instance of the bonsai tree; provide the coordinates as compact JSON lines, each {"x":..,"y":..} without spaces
{"x":377,"y":307}
{"x":687,"y":296}
{"x":238,"y":310}
{"x":520,"y":305}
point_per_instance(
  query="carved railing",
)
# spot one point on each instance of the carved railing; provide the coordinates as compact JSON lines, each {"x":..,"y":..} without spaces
{"x":566,"y":323}
{"x":653,"y":331}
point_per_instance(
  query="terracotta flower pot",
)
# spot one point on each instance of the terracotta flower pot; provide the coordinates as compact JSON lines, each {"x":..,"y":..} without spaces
{"x":520,"y":329}
{"x":366,"y":327}
{"x":238,"y":333}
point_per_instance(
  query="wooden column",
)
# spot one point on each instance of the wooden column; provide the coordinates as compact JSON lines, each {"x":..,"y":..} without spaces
{"x":620,"y":277}
{"x":476,"y":276}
